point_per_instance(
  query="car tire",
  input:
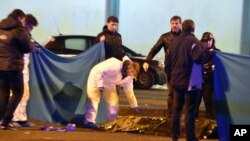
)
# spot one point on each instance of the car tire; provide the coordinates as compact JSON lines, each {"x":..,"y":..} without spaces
{"x":145,"y":80}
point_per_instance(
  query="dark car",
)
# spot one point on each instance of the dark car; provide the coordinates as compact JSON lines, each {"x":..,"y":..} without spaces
{"x":75,"y":44}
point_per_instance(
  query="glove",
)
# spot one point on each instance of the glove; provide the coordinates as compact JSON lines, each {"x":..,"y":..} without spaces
{"x":101,"y":89}
{"x":145,"y":66}
{"x":137,"y":110}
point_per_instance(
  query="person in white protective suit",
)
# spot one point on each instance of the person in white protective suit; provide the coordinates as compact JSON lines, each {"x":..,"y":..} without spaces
{"x":103,"y":79}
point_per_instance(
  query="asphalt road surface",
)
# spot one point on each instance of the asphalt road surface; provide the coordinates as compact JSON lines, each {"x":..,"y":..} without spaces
{"x":150,"y":101}
{"x":80,"y":134}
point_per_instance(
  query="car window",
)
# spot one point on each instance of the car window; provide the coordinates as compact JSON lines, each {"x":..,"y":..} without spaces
{"x":76,"y":44}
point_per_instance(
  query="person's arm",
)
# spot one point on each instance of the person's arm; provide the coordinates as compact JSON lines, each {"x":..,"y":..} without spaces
{"x":129,"y":92}
{"x":100,"y":37}
{"x":108,"y":67}
{"x":24,"y":40}
{"x":154,"y":50}
{"x":100,"y":75}
{"x":131,"y":97}
{"x":168,"y":66}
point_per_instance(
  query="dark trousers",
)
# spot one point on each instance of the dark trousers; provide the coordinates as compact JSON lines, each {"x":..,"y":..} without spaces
{"x":191,"y":101}
{"x":208,"y":97}
{"x":169,"y":99}
{"x":10,"y":80}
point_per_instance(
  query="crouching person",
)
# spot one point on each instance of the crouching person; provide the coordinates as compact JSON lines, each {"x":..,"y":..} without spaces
{"x":103,"y":79}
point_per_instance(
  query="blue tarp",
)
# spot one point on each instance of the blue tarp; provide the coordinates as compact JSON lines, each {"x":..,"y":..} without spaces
{"x":232,"y":91}
{"x":58,"y":85}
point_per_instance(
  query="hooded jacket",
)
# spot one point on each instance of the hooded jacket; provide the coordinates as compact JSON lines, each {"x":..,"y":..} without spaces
{"x":15,"y":40}
{"x":113,"y":44}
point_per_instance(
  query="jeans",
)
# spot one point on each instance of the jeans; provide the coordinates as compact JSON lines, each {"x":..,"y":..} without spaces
{"x":10,"y":80}
{"x":191,"y":101}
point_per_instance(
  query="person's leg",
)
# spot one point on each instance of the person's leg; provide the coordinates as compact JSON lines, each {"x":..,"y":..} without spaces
{"x":192,"y":104}
{"x":199,"y":103}
{"x":178,"y":102}
{"x":93,"y":100}
{"x":111,"y":98}
{"x":169,"y":99}
{"x":4,"y":93}
{"x":20,"y":113}
{"x":16,"y":85}
{"x":208,"y":98}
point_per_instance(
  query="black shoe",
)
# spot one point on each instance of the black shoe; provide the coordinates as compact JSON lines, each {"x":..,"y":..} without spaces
{"x":14,"y":124}
{"x":91,"y":125}
{"x":26,"y":124}
{"x":7,"y":127}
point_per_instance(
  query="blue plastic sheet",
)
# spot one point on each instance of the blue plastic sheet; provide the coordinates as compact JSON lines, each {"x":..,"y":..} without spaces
{"x":232,"y":93}
{"x":58,"y":85}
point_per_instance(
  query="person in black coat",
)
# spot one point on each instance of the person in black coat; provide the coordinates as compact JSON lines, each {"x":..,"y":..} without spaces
{"x":184,"y":71}
{"x":112,"y":39}
{"x":15,"y":40}
{"x":208,"y":72}
{"x":164,"y":42}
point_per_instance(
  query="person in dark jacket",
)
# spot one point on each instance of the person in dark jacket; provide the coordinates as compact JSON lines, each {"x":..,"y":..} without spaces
{"x":15,"y":40}
{"x":112,"y":39}
{"x":208,"y":72}
{"x":184,"y":71}
{"x":164,"y":41}
{"x":20,"y":118}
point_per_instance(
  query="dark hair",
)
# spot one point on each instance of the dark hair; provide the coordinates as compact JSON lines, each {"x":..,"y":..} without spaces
{"x":174,"y":18}
{"x":188,"y":26}
{"x":207,"y":36}
{"x":30,"y":19}
{"x":16,"y":13}
{"x":112,"y":19}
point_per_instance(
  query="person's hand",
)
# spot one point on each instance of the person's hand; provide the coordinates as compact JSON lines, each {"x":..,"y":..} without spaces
{"x":36,"y":49}
{"x":211,"y":49}
{"x":145,"y":66}
{"x":102,"y":38}
{"x":137,"y":110}
{"x":101,"y":89}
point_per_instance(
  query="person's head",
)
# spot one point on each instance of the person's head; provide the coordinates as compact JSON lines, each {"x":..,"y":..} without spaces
{"x":208,"y":39}
{"x":188,"y":26}
{"x":18,"y":15}
{"x":112,"y":23}
{"x":175,"y":23}
{"x":130,"y":68}
{"x":30,"y":22}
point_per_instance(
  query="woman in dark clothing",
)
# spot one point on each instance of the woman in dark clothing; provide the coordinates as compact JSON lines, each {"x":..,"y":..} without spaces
{"x":208,"y":71}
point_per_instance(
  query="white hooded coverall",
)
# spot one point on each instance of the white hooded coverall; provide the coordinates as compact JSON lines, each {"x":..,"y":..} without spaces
{"x":107,"y":74}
